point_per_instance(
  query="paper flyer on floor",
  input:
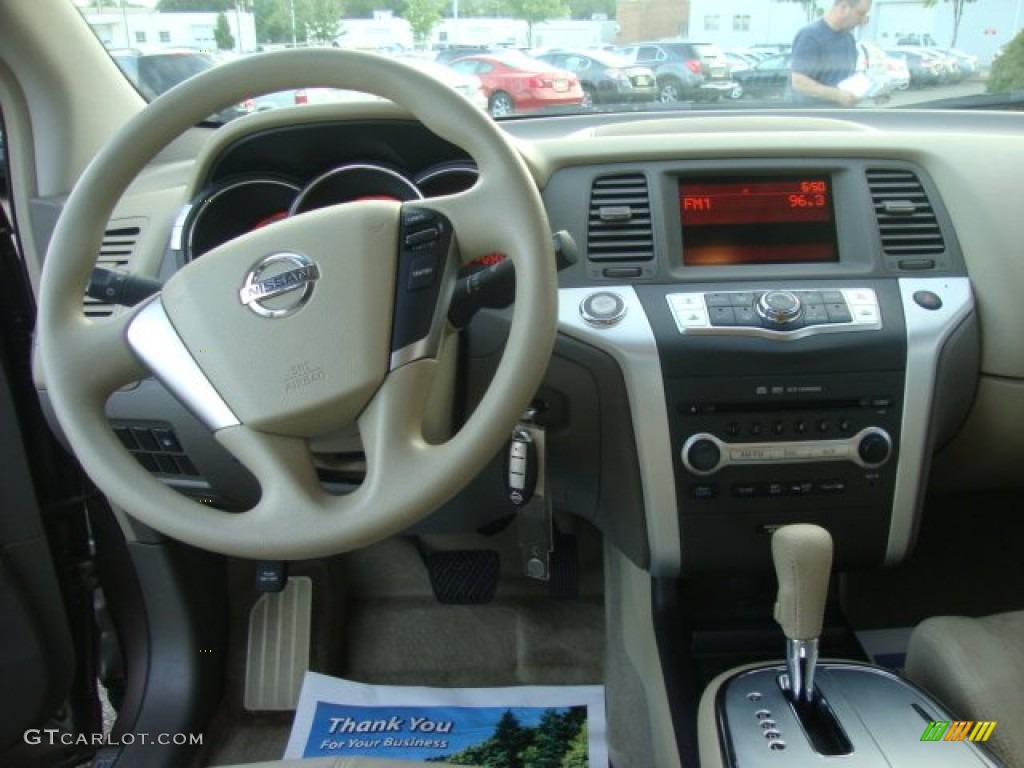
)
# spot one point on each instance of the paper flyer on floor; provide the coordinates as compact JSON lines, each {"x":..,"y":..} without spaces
{"x":532,"y":726}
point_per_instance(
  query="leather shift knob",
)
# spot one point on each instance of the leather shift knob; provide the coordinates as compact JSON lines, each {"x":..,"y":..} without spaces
{"x":803,"y":559}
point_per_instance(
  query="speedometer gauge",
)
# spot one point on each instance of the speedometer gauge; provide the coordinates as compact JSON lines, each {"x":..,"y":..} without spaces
{"x":349,"y":183}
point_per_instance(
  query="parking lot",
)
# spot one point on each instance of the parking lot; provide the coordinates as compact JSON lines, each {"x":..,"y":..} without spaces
{"x":918,"y":95}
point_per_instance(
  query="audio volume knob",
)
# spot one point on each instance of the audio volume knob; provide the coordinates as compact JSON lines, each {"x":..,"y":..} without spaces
{"x":701,"y":454}
{"x":874,"y":448}
{"x":779,"y":307}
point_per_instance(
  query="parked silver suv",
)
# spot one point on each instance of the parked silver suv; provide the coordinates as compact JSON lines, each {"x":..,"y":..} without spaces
{"x":684,"y":70}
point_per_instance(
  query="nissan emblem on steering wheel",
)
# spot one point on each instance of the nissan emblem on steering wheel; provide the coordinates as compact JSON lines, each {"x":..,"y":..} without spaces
{"x":279,"y":285}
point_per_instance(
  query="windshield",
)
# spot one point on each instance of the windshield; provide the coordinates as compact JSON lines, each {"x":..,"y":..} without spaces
{"x":700,"y":55}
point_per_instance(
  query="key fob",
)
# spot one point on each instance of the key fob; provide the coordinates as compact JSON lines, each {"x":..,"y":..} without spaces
{"x":521,"y":467}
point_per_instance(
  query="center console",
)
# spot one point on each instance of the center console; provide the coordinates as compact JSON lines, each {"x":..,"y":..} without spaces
{"x":810,"y":330}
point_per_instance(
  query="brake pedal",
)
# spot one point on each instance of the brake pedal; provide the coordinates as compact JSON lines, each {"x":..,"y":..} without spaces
{"x":278,"y":652}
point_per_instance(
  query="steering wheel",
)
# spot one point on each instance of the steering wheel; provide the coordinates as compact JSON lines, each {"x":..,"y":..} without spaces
{"x":289,"y":332}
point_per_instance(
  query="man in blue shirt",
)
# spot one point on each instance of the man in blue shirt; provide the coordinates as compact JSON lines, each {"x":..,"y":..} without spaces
{"x":825,"y":53}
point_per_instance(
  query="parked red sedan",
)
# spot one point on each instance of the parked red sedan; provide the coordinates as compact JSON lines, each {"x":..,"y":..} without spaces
{"x":515,"y":82}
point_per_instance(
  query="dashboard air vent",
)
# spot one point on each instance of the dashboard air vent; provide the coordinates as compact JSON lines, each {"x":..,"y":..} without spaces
{"x":115,"y":253}
{"x":619,"y":224}
{"x":906,"y":219}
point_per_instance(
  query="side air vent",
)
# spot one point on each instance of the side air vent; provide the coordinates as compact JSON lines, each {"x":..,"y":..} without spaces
{"x":906,"y":219}
{"x":115,"y":253}
{"x":619,"y":225}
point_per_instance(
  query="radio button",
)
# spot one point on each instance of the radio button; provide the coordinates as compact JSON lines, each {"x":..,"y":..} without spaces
{"x":704,"y":491}
{"x":749,"y":490}
{"x":832,"y":486}
{"x":702,"y":455}
{"x":833,"y":297}
{"x":874,"y":449}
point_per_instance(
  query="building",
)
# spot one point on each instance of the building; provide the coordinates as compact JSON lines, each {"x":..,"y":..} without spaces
{"x":149,"y":30}
{"x":652,"y":19}
{"x":986,"y":24}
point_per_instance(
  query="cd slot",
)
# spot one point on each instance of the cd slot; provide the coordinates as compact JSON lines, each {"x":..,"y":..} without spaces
{"x":874,"y":403}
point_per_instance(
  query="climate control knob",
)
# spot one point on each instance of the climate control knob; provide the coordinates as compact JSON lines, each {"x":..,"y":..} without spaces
{"x":779,"y":307}
{"x":701,"y":454}
{"x":874,"y":447}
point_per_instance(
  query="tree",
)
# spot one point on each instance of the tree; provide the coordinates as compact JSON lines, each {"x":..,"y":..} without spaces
{"x":534,"y":12}
{"x":1008,"y":70}
{"x":811,"y":7}
{"x":587,"y":9}
{"x":480,"y":8}
{"x":422,"y":16}
{"x":200,"y":6}
{"x":364,"y":9}
{"x":958,"y":14}
{"x":577,"y":756}
{"x":322,"y":19}
{"x":273,"y":21}
{"x":222,"y":34}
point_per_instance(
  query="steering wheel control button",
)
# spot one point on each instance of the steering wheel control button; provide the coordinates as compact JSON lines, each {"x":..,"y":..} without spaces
{"x":423,"y":250}
{"x":927,"y":300}
{"x":603,"y":309}
{"x":422,"y":271}
{"x":279,"y":285}
{"x":422,"y":237}
{"x":779,"y":307}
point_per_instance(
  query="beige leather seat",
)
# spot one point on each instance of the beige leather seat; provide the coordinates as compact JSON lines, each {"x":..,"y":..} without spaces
{"x":976,"y":668}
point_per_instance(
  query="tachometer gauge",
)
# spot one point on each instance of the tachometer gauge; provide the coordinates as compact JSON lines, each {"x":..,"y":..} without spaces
{"x":234,"y":209}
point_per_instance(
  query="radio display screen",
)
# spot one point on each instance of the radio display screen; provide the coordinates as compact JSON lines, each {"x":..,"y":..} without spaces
{"x":767,"y":220}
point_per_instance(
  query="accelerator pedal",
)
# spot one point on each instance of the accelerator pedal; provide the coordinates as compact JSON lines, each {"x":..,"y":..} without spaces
{"x":278,"y":653}
{"x":463,"y":576}
{"x":564,"y":579}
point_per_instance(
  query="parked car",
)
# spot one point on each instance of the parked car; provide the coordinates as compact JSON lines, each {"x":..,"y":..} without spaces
{"x":450,"y":54}
{"x":923,"y":69}
{"x":685,"y":70}
{"x":947,"y":66}
{"x":898,"y":72}
{"x":515,"y":82}
{"x":469,"y":86}
{"x":887,"y":73}
{"x":767,"y":80}
{"x":154,"y":73}
{"x":740,"y":62}
{"x":968,"y":62}
{"x":606,"y":77}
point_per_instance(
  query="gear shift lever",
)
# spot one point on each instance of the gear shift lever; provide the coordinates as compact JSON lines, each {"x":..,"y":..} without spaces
{"x":803,"y":559}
